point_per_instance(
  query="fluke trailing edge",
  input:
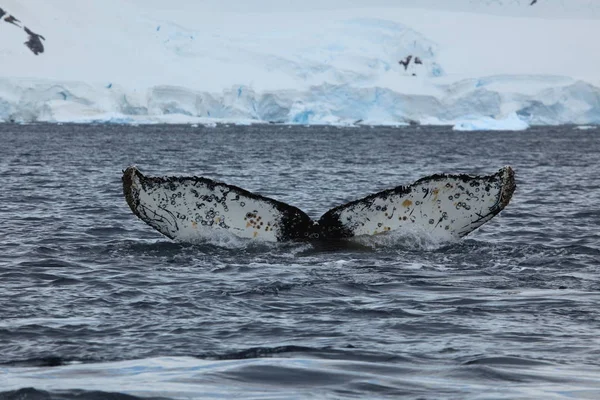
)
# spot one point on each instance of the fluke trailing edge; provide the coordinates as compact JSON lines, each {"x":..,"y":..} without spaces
{"x":444,"y":206}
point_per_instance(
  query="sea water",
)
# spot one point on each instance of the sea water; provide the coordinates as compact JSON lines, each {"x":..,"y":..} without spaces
{"x":93,"y":301}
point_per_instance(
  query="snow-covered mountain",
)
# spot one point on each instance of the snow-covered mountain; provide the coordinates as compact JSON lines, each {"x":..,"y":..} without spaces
{"x":473,"y":63}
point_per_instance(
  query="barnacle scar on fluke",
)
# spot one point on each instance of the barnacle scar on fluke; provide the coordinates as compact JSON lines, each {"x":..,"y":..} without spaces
{"x":444,"y":206}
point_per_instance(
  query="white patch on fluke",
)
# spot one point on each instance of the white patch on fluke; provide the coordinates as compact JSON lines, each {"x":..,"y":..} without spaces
{"x":189,"y":208}
{"x":445,"y":207}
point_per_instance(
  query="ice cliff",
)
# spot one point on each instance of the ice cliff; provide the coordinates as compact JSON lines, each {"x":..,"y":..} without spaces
{"x":475,"y":64}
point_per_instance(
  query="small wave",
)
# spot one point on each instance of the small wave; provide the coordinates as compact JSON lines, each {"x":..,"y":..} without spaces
{"x":50,"y":263}
{"x":49,"y":322}
{"x":505,"y":360}
{"x":105,"y":231}
{"x":262,"y":352}
{"x":217,"y":245}
{"x":50,"y":361}
{"x":35,"y":394}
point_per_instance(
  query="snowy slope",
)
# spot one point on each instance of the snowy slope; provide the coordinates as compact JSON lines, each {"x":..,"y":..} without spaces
{"x":482,"y":63}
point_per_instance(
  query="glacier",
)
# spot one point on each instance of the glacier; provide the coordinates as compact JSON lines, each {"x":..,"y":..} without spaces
{"x":511,"y":123}
{"x":471,"y":64}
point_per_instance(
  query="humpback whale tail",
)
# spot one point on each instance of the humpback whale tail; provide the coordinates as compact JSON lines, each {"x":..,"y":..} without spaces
{"x":447,"y":207}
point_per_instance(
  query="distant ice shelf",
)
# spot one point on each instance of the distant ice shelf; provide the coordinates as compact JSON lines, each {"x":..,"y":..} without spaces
{"x":394,"y":62}
{"x":511,"y":123}
{"x":475,"y":108}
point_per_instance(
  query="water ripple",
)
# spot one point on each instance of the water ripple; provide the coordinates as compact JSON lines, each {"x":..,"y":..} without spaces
{"x":96,"y":304}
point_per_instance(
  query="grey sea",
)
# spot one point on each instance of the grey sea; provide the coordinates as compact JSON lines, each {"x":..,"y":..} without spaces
{"x":95,"y":304}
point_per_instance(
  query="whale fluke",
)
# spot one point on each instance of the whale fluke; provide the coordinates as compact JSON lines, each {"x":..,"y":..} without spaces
{"x":183,"y":208}
{"x":444,"y":206}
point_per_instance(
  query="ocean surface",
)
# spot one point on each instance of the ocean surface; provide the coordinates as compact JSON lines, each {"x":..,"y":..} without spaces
{"x":95,"y":304}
